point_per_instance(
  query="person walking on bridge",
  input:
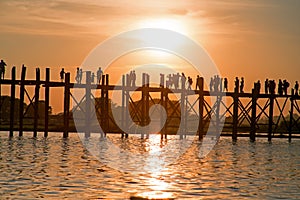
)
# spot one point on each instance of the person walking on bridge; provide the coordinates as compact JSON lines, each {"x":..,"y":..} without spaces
{"x":2,"y":69}
{"x":99,"y":75}
{"x":62,"y":75}
{"x":225,"y":84}
{"x":242,"y":85}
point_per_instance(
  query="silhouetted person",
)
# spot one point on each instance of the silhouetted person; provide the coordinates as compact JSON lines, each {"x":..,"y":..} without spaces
{"x":266,"y":86}
{"x":216,"y":83}
{"x":133,"y":78}
{"x":169,"y":81}
{"x":242,"y":85}
{"x":176,"y":80}
{"x":190,"y":83}
{"x":2,"y":69}
{"x":162,"y":80}
{"x":211,"y":84}
{"x":77,"y":75}
{"x":62,"y":75}
{"x":236,"y":84}
{"x":198,"y":82}
{"x":257,"y":86}
{"x":183,"y":80}
{"x":130,"y":78}
{"x":225,"y":84}
{"x":296,"y":88}
{"x":280,"y":87}
{"x":99,"y":75}
{"x":272,"y":86}
{"x":286,"y":85}
{"x":80,"y":76}
{"x":93,"y":77}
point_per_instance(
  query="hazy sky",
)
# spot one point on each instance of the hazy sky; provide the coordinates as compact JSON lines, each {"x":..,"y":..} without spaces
{"x":255,"y":38}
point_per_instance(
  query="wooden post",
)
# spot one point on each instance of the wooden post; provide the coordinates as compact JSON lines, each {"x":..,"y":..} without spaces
{"x":162,"y":132}
{"x":66,"y":105}
{"x":88,"y":103}
{"x":235,"y":113}
{"x":36,"y":102}
{"x":270,"y":126}
{"x":143,"y":103}
{"x":12,"y":101}
{"x":127,"y":113}
{"x":291,"y":116}
{"x":102,"y":106}
{"x":22,"y":92}
{"x":253,"y":115}
{"x":182,"y":110}
{"x":166,"y":102}
{"x":47,"y":95}
{"x":201,"y":105}
{"x":147,"y":102}
{"x":219,"y":99}
{"x":106,"y":104}
{"x":123,"y":107}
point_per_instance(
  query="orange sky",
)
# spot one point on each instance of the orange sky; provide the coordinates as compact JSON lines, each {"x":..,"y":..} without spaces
{"x":254,"y":39}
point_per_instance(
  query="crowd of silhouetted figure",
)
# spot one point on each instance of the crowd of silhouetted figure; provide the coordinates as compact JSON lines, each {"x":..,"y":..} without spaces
{"x":79,"y":73}
{"x":218,"y":84}
{"x":131,"y":78}
{"x":180,"y":81}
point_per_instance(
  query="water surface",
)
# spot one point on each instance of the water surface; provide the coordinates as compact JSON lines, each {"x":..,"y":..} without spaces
{"x":62,"y":168}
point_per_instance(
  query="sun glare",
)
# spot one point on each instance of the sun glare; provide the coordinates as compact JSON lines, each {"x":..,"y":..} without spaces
{"x":164,"y":23}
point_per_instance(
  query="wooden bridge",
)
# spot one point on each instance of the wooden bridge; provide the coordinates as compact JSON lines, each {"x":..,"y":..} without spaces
{"x":233,"y":114}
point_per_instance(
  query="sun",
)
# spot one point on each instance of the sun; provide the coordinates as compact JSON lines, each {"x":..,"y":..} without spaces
{"x":164,"y":23}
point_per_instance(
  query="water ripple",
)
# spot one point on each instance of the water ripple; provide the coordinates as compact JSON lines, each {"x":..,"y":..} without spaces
{"x":62,"y":168}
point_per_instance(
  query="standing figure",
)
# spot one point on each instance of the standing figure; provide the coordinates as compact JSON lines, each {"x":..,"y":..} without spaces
{"x":266,"y":86}
{"x":190,"y":82}
{"x":225,"y":84}
{"x":211,"y":84}
{"x":217,"y":83}
{"x":93,"y":77}
{"x":280,"y":87}
{"x":296,"y":88}
{"x":77,"y":75}
{"x":183,"y":80}
{"x":286,"y":85}
{"x":198,"y":82}
{"x":257,"y":86}
{"x":2,"y":69}
{"x":176,"y":80}
{"x":242,"y":85}
{"x":130,"y":78}
{"x":272,"y":86}
{"x":99,"y":75}
{"x":168,"y":82}
{"x":80,"y":76}
{"x":62,"y":75}
{"x":162,"y":80}
{"x":236,"y":84}
{"x":133,"y":78}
